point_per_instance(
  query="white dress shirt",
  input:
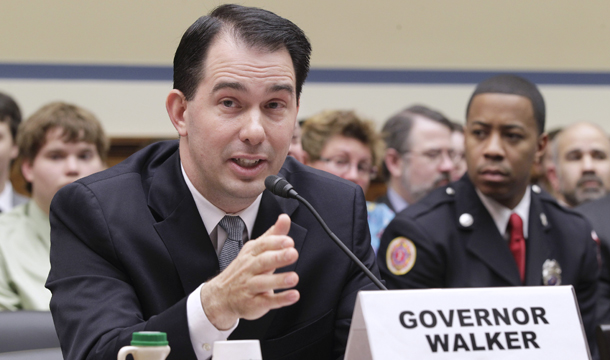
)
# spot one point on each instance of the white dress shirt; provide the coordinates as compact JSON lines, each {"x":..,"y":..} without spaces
{"x":202,"y":332}
{"x":501,"y":214}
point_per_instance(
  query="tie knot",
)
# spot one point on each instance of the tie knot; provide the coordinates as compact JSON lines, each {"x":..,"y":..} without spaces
{"x":234,"y":226}
{"x":515,"y":221}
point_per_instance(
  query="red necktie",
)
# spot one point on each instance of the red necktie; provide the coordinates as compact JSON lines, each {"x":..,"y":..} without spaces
{"x":517,"y":243}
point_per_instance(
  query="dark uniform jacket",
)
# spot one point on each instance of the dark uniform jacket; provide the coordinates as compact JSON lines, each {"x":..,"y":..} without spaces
{"x":598,"y":213}
{"x":458,"y":245}
{"x":128,"y":246}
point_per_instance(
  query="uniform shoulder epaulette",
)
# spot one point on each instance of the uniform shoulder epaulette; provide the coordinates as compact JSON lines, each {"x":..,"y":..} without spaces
{"x":438,"y":197}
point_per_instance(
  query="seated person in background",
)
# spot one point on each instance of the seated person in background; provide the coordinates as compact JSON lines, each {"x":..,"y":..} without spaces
{"x":581,"y":157}
{"x":10,"y":118}
{"x":296,"y":147}
{"x":491,"y":228}
{"x":457,"y":140}
{"x":58,"y":144}
{"x":419,"y":156}
{"x":343,"y":144}
{"x":182,"y":237}
{"x":546,"y":165}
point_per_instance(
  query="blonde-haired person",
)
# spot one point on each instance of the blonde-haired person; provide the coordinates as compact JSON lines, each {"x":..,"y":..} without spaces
{"x":58,"y":144}
{"x":344,"y":144}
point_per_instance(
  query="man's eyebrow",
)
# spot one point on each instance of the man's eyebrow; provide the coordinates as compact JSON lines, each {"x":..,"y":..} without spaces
{"x":282,"y":87}
{"x":230,"y":85}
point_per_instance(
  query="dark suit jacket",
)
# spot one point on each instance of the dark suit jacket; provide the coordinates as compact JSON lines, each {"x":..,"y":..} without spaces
{"x":451,"y":255}
{"x":598,"y":213}
{"x":128,"y":246}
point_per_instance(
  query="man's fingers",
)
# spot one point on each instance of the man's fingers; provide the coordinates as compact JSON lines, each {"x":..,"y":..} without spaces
{"x":264,"y":283}
{"x":274,"y":259}
{"x":281,"y":226}
{"x":272,"y":301}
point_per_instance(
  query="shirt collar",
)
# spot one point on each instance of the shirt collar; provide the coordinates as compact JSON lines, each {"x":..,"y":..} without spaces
{"x":501,"y":214}
{"x":6,"y":197}
{"x":397,"y":201}
{"x":211,"y":215}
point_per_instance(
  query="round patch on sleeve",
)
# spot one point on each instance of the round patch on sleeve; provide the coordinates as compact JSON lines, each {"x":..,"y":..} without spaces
{"x":401,"y":255}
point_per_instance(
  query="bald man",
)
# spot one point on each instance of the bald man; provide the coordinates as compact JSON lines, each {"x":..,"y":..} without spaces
{"x":582,"y":164}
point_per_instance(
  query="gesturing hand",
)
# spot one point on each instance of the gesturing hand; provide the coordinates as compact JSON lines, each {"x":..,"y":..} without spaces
{"x":245,"y":289}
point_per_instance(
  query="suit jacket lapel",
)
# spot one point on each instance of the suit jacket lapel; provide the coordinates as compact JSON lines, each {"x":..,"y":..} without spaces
{"x":482,"y":238}
{"x":180,"y":226}
{"x":538,"y":243}
{"x":271,"y":207}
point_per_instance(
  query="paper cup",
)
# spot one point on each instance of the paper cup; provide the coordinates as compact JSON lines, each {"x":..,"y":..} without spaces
{"x":237,"y":350}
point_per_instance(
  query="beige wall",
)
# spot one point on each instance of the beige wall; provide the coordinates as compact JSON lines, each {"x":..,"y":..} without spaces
{"x":531,"y":35}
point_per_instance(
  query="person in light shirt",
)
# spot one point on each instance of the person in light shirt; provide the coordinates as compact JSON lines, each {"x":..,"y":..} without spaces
{"x":58,"y":144}
{"x":10,"y":118}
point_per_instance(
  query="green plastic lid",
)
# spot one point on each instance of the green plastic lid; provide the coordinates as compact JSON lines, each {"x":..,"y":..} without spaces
{"x":149,"y":338}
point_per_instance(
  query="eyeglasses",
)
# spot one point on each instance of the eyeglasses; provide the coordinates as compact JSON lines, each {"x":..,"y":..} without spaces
{"x":435,"y":156}
{"x":341,"y":165}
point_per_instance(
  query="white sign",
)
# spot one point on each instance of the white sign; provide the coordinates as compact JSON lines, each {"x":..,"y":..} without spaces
{"x":529,"y":322}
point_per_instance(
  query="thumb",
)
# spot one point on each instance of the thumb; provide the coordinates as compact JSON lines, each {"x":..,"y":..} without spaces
{"x":281,"y":226}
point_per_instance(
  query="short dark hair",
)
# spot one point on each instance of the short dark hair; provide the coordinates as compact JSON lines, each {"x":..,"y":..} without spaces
{"x":256,"y":27}
{"x":513,"y":85}
{"x":9,"y":112}
{"x":397,"y":129}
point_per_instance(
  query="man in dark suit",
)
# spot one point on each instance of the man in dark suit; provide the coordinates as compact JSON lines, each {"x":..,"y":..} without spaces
{"x":596,"y":212}
{"x":491,"y":228}
{"x":159,"y":242}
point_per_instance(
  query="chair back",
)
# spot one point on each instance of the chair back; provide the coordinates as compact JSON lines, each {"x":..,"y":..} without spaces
{"x":27,"y":330}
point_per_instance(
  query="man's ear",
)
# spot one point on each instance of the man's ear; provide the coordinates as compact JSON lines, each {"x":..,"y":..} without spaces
{"x":543,"y":140}
{"x":176,"y":107}
{"x":393,"y":162}
{"x":27,"y":171}
{"x":552,"y":176}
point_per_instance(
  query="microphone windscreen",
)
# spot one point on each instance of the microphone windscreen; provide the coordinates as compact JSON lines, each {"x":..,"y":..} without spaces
{"x":278,"y":185}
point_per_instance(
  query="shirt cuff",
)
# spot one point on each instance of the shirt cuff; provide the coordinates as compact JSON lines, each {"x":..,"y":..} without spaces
{"x":202,"y":332}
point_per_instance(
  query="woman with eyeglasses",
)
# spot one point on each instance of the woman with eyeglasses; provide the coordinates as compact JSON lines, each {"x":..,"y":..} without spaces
{"x":343,"y":144}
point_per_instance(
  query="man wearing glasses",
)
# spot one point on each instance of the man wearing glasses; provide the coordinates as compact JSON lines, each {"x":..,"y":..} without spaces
{"x":419,"y":156}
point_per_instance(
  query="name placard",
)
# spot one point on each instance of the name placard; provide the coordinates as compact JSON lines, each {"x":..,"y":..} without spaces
{"x":529,"y":322}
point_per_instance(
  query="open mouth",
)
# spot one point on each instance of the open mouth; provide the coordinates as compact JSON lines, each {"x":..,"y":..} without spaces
{"x":247,"y":163}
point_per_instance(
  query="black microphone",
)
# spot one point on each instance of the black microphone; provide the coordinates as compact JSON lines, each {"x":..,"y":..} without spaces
{"x":281,"y":187}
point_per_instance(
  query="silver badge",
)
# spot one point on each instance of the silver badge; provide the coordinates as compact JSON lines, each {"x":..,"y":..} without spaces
{"x":450,"y":191}
{"x":536,"y":189}
{"x":551,"y":272}
{"x":544,"y":220}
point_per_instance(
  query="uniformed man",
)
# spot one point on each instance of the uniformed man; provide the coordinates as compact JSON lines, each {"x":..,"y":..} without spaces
{"x":491,"y":228}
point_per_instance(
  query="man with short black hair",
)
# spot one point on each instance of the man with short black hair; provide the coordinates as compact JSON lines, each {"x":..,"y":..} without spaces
{"x":419,"y":156}
{"x":491,"y":228}
{"x":10,"y":118}
{"x":183,"y":238}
